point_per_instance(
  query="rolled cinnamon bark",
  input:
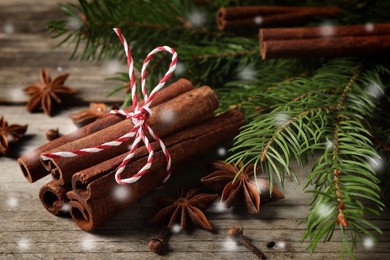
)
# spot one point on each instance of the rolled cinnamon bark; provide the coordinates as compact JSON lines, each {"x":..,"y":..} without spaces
{"x":104,"y":201}
{"x":30,"y":163}
{"x":167,"y":118}
{"x":53,"y":198}
{"x":269,"y":15}
{"x":270,"y":34}
{"x":348,"y":46}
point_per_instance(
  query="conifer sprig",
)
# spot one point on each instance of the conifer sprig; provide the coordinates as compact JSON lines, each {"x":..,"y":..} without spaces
{"x":322,"y":114}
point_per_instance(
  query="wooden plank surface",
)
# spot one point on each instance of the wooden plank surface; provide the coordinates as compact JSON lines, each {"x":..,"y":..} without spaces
{"x":28,"y":231}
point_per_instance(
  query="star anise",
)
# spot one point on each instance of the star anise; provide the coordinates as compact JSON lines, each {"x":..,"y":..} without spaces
{"x":221,"y":180}
{"x":44,"y":92}
{"x":87,"y":116}
{"x":9,"y":133}
{"x":191,"y":204}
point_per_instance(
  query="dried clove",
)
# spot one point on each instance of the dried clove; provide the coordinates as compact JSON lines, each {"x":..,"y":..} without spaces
{"x":159,"y":244}
{"x":52,"y":134}
{"x":236,"y":234}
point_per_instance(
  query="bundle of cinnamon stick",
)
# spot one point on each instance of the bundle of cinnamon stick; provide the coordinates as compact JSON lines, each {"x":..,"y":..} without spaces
{"x":85,"y":185}
{"x":266,"y":16}
{"x":329,"y":41}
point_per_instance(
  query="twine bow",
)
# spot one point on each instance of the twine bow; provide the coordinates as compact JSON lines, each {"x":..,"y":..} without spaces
{"x":138,"y":117}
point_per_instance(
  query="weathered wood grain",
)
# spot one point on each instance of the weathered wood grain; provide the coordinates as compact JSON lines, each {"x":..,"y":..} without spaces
{"x":25,"y":223}
{"x":25,"y":47}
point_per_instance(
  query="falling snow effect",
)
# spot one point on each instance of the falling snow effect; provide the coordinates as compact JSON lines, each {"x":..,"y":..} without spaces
{"x":327,"y":30}
{"x":281,"y":119}
{"x":121,"y":192}
{"x":15,"y":94}
{"x":329,"y":144}
{"x":113,"y":66}
{"x":324,"y":210}
{"x":180,"y":69}
{"x":167,"y":117}
{"x":219,"y":207}
{"x":368,"y":243}
{"x":12,"y":202}
{"x":280,"y":244}
{"x":196,"y":19}
{"x":258,"y":20}
{"x":176,"y":229}
{"x":376,"y":163}
{"x":230,"y":245}
{"x":65,"y":207}
{"x":74,"y":24}
{"x":24,"y":244}
{"x":247,"y":73}
{"x":68,"y":128}
{"x":374,"y":90}
{"x":369,"y":27}
{"x":222,"y":151}
{"x":9,"y":28}
{"x":88,"y":243}
{"x":59,"y":69}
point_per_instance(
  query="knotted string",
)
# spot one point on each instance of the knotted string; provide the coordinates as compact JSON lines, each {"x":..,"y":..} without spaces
{"x":139,"y":118}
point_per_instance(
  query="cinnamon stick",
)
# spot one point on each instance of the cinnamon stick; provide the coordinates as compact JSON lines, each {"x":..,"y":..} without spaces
{"x":270,"y":34}
{"x":169,"y":117}
{"x":269,"y":15}
{"x":30,"y":163}
{"x":53,"y":198}
{"x":360,"y":46}
{"x":103,"y":204}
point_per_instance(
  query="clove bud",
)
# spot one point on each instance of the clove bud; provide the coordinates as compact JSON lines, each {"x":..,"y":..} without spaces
{"x":158,"y":244}
{"x":236,"y":234}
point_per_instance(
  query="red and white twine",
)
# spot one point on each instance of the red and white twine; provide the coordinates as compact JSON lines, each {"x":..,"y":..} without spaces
{"x":138,"y":118}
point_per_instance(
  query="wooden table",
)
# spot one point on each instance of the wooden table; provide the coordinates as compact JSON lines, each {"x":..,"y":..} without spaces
{"x":28,"y":231}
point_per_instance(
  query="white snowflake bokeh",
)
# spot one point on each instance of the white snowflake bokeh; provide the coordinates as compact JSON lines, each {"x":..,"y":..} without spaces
{"x":327,"y":30}
{"x":24,"y":244}
{"x":88,"y":243}
{"x":222,"y":151}
{"x":9,"y":28}
{"x":281,"y":119}
{"x":180,"y":69}
{"x":113,"y":66}
{"x":74,"y":24}
{"x":369,"y":27}
{"x":280,"y":244}
{"x":374,"y":90}
{"x":176,"y":229}
{"x":65,"y":207}
{"x":167,"y":117}
{"x":12,"y":202}
{"x":376,"y":162}
{"x":324,"y":210}
{"x":247,"y":73}
{"x":196,"y":19}
{"x":59,"y":68}
{"x":230,"y":245}
{"x":368,"y":243}
{"x":121,"y":192}
{"x":329,"y":144}
{"x":218,"y":206}
{"x":258,"y":20}
{"x":15,"y":94}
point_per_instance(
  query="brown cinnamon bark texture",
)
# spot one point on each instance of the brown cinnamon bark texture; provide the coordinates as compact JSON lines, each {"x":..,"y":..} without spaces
{"x":103,"y":201}
{"x":30,"y":162}
{"x":167,"y":118}
{"x":231,"y":17}
{"x":270,"y":34}
{"x":360,"y":46}
{"x":53,"y":198}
